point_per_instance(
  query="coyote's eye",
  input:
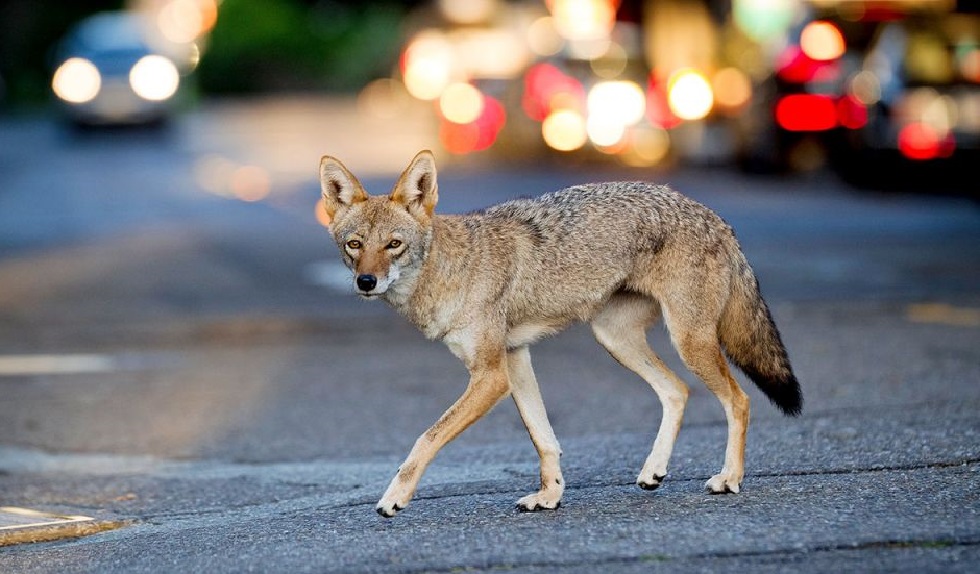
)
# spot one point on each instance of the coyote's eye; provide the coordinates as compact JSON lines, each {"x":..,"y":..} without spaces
{"x":394,"y":244}
{"x":353,"y":244}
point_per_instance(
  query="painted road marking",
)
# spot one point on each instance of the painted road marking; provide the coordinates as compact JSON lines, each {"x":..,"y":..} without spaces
{"x":12,"y":517}
{"x":26,"y":525}
{"x":943,"y":313}
{"x":81,"y":363}
{"x":14,"y":365}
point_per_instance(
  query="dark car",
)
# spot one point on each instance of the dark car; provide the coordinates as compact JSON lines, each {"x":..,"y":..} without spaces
{"x":107,"y":72}
{"x":886,"y":82}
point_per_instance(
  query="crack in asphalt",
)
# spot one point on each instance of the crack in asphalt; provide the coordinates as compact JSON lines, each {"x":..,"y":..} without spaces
{"x":876,"y":468}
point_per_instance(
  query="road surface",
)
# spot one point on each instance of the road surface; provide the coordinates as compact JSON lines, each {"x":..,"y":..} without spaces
{"x":181,"y":360}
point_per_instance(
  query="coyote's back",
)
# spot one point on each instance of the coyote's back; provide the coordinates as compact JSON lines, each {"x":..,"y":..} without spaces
{"x":577,"y":247}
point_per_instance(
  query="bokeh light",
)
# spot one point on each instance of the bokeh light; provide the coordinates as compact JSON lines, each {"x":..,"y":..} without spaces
{"x":461,"y":103}
{"x":564,"y":130}
{"x":384,"y":98}
{"x":806,"y":112}
{"x":658,"y":109}
{"x":77,"y":80}
{"x":546,"y":88}
{"x":467,"y":11}
{"x":543,"y":38}
{"x":226,"y":178}
{"x":919,"y":141}
{"x":603,"y":132}
{"x":941,"y":114}
{"x":851,"y":112}
{"x":488,"y":53}
{"x":476,"y":135}
{"x":583,"y":20}
{"x":612,"y":63}
{"x":427,"y":65}
{"x":620,"y":102}
{"x":969,"y":63}
{"x":250,"y":183}
{"x":320,"y":212}
{"x":865,"y":87}
{"x":689,"y":95}
{"x":927,"y":105}
{"x":763,"y":20}
{"x":154,"y":78}
{"x":822,"y":40}
{"x":181,"y":21}
{"x":648,"y":146}
{"x":732,"y":88}
{"x":212,"y":174}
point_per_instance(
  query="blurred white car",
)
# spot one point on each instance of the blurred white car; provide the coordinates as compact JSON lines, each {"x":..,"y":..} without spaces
{"x":107,"y":72}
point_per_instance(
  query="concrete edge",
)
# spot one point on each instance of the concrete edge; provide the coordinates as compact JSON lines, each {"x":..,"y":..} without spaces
{"x":48,"y":527}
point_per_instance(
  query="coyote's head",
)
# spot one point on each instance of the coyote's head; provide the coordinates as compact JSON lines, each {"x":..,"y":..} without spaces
{"x":383,"y":239}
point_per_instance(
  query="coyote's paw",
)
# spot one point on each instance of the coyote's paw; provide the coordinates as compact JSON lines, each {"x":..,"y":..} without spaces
{"x":650,"y":482}
{"x":389,"y":508}
{"x":543,"y":500}
{"x":395,"y":498}
{"x":723,"y":483}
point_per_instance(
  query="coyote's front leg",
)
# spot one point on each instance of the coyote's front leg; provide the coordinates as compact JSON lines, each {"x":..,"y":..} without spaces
{"x":527,"y":397}
{"x":488,"y":384}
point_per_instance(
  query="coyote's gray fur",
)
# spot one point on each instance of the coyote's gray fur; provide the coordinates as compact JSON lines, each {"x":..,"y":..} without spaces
{"x":619,"y":255}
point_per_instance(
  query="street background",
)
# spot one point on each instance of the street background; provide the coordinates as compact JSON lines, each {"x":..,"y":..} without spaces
{"x":182,"y":359}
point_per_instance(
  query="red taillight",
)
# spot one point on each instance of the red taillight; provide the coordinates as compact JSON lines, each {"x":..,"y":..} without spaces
{"x":547,"y":88}
{"x":921,"y":141}
{"x":793,"y":65}
{"x":657,"y":109}
{"x":806,"y":113}
{"x":851,"y":113}
{"x":477,"y":135}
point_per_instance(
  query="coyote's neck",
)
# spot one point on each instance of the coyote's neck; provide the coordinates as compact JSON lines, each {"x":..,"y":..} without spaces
{"x":433,"y":293}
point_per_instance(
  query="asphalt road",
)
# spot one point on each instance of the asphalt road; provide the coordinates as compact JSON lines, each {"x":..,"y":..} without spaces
{"x":191,"y":367}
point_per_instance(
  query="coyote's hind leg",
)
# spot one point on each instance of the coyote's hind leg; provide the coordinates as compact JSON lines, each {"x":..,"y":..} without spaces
{"x":703,"y":357}
{"x":621,"y":327}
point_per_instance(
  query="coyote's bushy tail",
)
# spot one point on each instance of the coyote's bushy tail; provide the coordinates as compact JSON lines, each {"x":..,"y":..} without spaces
{"x":753,"y":344}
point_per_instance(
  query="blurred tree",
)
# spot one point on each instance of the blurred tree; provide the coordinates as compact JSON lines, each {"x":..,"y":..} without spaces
{"x":283,"y":45}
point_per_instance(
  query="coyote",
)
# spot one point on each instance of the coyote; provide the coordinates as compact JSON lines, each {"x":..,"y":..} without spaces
{"x":618,"y":255}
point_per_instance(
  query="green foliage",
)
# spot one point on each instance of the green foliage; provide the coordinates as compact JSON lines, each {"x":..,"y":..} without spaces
{"x":282,"y":45}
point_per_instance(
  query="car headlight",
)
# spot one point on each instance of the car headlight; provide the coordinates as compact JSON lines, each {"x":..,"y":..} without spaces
{"x":154,"y":78}
{"x":77,"y":81}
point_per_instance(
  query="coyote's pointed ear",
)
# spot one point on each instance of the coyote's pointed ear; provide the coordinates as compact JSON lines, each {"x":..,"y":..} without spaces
{"x":340,"y":187}
{"x":417,"y":188}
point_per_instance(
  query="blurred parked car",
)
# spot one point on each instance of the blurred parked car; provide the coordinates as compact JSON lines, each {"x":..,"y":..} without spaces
{"x":107,"y":72}
{"x":915,"y":97}
{"x":890,"y":82}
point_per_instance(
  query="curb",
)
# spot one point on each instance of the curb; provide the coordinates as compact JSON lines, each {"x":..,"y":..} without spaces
{"x":25,"y":525}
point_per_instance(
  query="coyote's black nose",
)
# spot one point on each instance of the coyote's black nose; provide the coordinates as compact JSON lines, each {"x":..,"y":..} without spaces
{"x":366,"y":282}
